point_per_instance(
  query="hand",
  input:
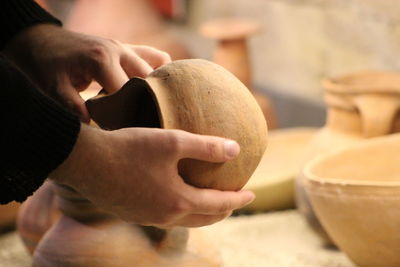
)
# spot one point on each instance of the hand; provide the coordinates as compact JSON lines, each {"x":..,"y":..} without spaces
{"x":63,"y":63}
{"x":133,"y":173}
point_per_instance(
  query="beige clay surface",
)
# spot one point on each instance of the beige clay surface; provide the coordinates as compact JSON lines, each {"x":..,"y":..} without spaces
{"x":279,"y":239}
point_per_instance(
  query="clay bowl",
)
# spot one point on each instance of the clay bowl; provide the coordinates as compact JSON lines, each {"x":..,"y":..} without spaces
{"x":200,"y":97}
{"x":273,"y":180}
{"x":356,"y":195}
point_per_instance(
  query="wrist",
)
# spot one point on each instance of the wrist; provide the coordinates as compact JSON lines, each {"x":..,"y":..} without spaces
{"x":84,"y":161}
{"x":24,"y":44}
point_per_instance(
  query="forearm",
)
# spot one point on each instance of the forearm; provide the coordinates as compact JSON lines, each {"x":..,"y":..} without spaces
{"x":37,"y":134}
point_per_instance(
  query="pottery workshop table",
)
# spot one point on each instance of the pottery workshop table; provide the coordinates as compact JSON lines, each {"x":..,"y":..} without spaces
{"x":278,"y":239}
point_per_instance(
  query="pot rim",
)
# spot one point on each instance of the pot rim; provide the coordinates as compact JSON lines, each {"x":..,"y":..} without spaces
{"x":343,"y":84}
{"x":311,"y":177}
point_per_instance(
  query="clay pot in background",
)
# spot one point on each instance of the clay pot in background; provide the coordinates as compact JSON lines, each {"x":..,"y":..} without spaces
{"x":360,"y":105}
{"x":232,"y":53}
{"x":36,"y":215}
{"x":355,"y":194}
{"x":130,"y":21}
{"x":192,"y":95}
{"x":8,"y":215}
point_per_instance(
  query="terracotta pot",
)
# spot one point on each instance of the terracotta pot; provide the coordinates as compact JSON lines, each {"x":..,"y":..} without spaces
{"x":129,"y":21}
{"x":36,"y":215}
{"x":355,"y":194}
{"x":232,"y":53}
{"x":8,"y":215}
{"x":197,"y":96}
{"x":193,"y":95}
{"x":360,"y":106}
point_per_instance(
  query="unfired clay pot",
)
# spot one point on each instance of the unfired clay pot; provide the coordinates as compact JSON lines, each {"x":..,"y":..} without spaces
{"x":355,"y":193}
{"x":8,"y":215}
{"x":232,"y":53}
{"x":360,"y":106}
{"x":193,"y":95}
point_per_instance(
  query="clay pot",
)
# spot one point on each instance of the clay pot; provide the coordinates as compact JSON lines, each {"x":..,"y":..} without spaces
{"x":197,"y":96}
{"x":273,"y":180}
{"x":192,"y":95}
{"x":355,"y":194}
{"x":129,"y":21}
{"x":8,"y":215}
{"x":36,"y":215}
{"x":360,"y":106}
{"x":232,"y":53}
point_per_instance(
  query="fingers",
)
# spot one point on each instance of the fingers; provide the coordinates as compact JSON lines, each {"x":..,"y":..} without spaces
{"x":71,"y":98}
{"x":111,"y":76}
{"x":215,"y":202}
{"x":198,"y":220}
{"x":207,"y":148}
{"x":134,"y":65}
{"x":154,"y":57}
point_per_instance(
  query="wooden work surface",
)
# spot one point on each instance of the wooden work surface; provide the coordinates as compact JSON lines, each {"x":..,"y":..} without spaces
{"x":272,"y":239}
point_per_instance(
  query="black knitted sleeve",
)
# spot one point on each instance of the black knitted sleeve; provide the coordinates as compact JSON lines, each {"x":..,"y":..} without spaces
{"x":16,"y":15}
{"x":36,"y":134}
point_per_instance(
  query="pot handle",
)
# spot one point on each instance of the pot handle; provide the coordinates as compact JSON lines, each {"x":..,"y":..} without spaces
{"x":377,"y":113}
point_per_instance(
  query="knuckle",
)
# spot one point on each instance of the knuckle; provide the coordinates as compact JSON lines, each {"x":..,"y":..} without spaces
{"x":212,"y":150}
{"x":179,"y":207}
{"x":99,"y":54}
{"x":224,"y":207}
{"x":173,"y":143}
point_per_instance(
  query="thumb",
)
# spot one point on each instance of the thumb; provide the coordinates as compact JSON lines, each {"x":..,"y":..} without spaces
{"x":208,"y":148}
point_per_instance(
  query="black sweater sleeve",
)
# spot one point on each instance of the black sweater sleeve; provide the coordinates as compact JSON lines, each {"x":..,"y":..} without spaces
{"x":36,"y":133}
{"x":36,"y":136}
{"x":16,"y":15}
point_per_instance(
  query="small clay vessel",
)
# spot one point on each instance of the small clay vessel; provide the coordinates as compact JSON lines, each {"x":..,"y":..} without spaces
{"x":193,"y":95}
{"x":355,"y":194}
{"x":8,"y":215}
{"x":360,"y":106}
{"x":36,"y":215}
{"x":129,"y":21}
{"x":232,"y":53}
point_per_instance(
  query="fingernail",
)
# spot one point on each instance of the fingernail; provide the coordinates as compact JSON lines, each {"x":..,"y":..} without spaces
{"x":232,"y":149}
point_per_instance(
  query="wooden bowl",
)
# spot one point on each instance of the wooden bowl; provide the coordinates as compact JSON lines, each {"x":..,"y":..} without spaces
{"x":356,"y":195}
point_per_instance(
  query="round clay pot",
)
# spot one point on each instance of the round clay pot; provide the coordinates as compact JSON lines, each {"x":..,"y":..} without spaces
{"x":355,"y":194}
{"x":8,"y":215}
{"x":192,"y":95}
{"x":360,"y":106}
{"x":200,"y":97}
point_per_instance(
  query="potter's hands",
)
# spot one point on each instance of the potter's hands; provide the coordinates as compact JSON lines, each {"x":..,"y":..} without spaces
{"x":133,"y":173}
{"x":63,"y":63}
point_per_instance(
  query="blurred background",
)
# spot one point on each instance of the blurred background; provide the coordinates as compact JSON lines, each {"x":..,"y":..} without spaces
{"x":282,"y":51}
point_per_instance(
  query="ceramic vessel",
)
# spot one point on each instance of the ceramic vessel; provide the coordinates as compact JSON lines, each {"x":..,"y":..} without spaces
{"x":360,"y":106}
{"x":273,"y":180}
{"x":36,"y":215}
{"x":355,"y":193}
{"x":8,"y":215}
{"x":192,"y":95}
{"x":232,"y":53}
{"x":129,"y":21}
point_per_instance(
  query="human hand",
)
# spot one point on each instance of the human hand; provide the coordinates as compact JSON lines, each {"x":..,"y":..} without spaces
{"x":63,"y":63}
{"x":133,"y":173}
